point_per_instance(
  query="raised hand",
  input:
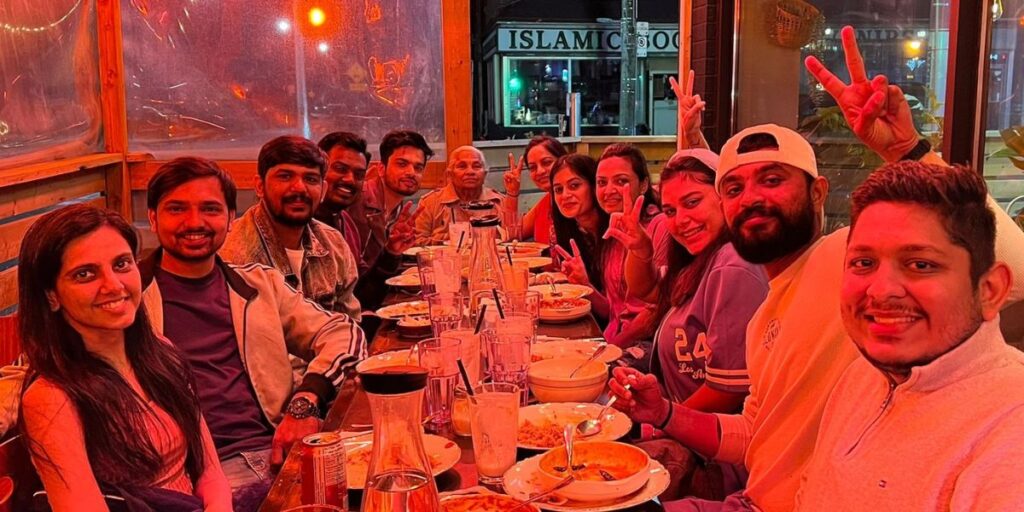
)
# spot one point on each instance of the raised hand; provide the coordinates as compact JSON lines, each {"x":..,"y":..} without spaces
{"x":572,"y":265}
{"x":643,"y":402}
{"x":625,"y":227}
{"x":402,"y":233}
{"x":877,"y":112}
{"x":689,"y":111}
{"x":513,"y":176}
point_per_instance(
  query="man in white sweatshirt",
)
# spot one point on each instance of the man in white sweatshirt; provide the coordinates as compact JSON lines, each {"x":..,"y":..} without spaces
{"x":931,"y":417}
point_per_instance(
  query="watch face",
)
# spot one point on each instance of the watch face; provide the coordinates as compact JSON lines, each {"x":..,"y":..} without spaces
{"x":301,"y":408}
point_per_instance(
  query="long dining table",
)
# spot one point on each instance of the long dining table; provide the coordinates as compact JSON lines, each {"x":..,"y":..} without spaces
{"x":351,"y":411}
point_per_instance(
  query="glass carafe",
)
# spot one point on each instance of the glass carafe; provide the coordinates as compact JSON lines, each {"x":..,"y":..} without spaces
{"x":399,"y":478}
{"x":484,"y":266}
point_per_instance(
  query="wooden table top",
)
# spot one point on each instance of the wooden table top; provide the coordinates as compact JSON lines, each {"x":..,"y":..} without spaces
{"x":351,"y":407}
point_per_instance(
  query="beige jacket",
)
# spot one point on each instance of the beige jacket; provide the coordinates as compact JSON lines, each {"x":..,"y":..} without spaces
{"x":437,"y":207}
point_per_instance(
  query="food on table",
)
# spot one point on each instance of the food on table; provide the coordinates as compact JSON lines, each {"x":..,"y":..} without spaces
{"x":404,"y":280}
{"x":482,"y":503}
{"x":604,"y":470}
{"x":395,"y":311}
{"x":540,"y":425}
{"x":572,"y":348}
{"x":442,"y":454}
{"x":562,"y":291}
{"x":563,"y":303}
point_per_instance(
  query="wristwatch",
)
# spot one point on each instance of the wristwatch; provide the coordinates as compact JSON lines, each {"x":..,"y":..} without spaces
{"x":301,"y":408}
{"x":920,"y":150}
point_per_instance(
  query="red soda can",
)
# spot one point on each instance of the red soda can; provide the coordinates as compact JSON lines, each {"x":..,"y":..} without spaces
{"x":323,"y":470}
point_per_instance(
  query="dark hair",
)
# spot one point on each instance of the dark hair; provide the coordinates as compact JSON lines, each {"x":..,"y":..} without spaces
{"x":289,"y":149}
{"x":113,"y":416}
{"x":957,"y":194}
{"x":400,"y":138}
{"x":590,"y":244}
{"x":638,"y":163}
{"x":686,"y":270}
{"x":757,"y":142}
{"x":347,"y":140}
{"x":549,"y":143}
{"x":180,"y":171}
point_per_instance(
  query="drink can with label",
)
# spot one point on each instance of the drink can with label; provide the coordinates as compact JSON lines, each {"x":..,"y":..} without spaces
{"x":323,"y":470}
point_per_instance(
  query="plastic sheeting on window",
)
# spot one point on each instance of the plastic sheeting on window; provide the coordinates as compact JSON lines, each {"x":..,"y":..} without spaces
{"x":49,"y":81}
{"x":219,"y":79}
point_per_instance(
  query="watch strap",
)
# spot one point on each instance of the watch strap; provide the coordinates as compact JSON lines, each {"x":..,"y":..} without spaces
{"x":919,"y":151}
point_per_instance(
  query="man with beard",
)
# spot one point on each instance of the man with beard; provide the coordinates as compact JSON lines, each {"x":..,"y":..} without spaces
{"x":347,"y":161}
{"x":797,"y":348}
{"x":467,"y":170}
{"x":279,"y":231}
{"x":236,"y":325}
{"x":404,"y":156}
{"x":929,"y":418}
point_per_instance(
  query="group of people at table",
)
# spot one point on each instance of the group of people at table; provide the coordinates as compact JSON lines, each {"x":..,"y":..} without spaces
{"x":774,"y":366}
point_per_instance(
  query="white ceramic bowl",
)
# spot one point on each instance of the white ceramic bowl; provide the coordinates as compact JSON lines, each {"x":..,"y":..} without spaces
{"x":549,"y":380}
{"x":627,"y":463}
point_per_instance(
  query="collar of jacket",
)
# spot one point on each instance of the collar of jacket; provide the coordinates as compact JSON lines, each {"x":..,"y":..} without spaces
{"x":148,"y":266}
{"x":975,"y":355}
{"x":311,"y":243}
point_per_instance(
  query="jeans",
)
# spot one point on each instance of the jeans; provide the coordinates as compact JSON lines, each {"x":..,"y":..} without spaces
{"x":250,"y":478}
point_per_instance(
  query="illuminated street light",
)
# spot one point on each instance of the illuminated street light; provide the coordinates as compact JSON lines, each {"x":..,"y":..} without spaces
{"x":323,"y":47}
{"x":283,"y":26}
{"x":317,"y":16}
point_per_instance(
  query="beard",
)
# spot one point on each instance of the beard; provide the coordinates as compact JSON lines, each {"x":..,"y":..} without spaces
{"x":792,"y":233}
{"x":281,"y":215}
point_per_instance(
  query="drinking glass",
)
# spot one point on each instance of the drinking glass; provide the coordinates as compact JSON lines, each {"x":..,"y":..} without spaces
{"x":470,"y":351}
{"x":457,"y":231}
{"x":516,"y":276}
{"x":524,"y":302}
{"x":440,"y":357}
{"x":509,"y":361}
{"x":519,"y":323}
{"x":494,"y":422}
{"x":440,"y":270}
{"x":513,"y":225}
{"x":445,"y":311}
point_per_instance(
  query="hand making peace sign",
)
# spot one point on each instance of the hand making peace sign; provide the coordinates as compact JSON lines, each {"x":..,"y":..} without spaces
{"x":877,"y":112}
{"x":625,"y":227}
{"x":513,"y":176}
{"x":572,"y":265}
{"x":689,"y":111}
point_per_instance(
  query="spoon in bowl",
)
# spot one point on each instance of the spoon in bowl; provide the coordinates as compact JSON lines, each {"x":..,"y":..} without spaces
{"x":597,"y":353}
{"x":592,"y":427}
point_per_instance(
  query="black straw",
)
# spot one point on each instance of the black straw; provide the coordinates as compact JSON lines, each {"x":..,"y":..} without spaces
{"x":480,"y":318}
{"x":465,"y":377}
{"x":497,"y":302}
{"x":508,"y":251}
{"x":462,"y":236}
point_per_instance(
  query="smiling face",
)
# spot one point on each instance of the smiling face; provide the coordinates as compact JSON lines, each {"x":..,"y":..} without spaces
{"x":467,"y":168}
{"x":346,"y":173}
{"x":291,"y":193}
{"x":615,"y":175}
{"x":572,"y":193}
{"x":907,"y":296}
{"x":540,"y":164}
{"x":191,"y":220}
{"x":770,"y":209}
{"x":98,"y":288}
{"x":693,"y":210}
{"x":404,"y":170}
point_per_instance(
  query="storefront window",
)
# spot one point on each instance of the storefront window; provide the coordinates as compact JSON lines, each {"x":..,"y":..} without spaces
{"x":598,"y":83}
{"x":1004,"y":136}
{"x":536,"y":91}
{"x":49,"y":81}
{"x":906,"y":40}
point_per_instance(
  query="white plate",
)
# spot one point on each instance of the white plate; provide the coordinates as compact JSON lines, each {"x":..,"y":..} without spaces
{"x":574,"y":291}
{"x":541,"y":279}
{"x":406,"y":281}
{"x":524,"y":249}
{"x":564,"y":314}
{"x":522,"y":479}
{"x":535,"y":262}
{"x":413,"y":251}
{"x":615,"y":425}
{"x":383,"y":360}
{"x":443,"y":454}
{"x":411,"y":308}
{"x":505,"y":502}
{"x":572,"y":348}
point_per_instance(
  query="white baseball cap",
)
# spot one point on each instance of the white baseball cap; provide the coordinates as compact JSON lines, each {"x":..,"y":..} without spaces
{"x":793,"y":150}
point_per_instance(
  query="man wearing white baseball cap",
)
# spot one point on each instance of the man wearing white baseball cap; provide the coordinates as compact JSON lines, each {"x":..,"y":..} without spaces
{"x":797,"y":347}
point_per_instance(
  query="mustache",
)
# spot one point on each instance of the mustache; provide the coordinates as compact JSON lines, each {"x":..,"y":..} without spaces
{"x":342,"y":186}
{"x":889,"y":307}
{"x":757,"y":210}
{"x":291,"y":198}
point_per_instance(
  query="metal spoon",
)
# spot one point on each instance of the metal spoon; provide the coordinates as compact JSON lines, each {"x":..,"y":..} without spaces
{"x":597,"y":353}
{"x":567,"y":439}
{"x":592,"y":427}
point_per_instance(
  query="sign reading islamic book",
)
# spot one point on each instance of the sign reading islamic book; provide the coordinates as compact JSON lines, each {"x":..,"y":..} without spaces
{"x":592,"y":38}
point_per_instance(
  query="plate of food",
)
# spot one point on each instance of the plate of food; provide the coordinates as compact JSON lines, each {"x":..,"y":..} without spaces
{"x":563,"y":309}
{"x":549,"y":277}
{"x":443,"y":454}
{"x":541,"y":425}
{"x":563,"y":290}
{"x":480,"y":499}
{"x":385,"y":359}
{"x":404,"y":280}
{"x":523,"y":249}
{"x":542,"y":350}
{"x":535,"y":262}
{"x":525,"y":479}
{"x":413,"y":251}
{"x":411,"y":308}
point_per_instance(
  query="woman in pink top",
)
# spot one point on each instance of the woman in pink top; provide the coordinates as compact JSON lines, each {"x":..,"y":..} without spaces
{"x":108,"y":406}
{"x":541,"y":153}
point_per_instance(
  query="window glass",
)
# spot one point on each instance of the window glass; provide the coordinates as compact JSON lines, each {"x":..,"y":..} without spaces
{"x":49,"y":81}
{"x":222,"y":78}
{"x":536,"y":91}
{"x":1004,"y":135}
{"x":597,"y":81}
{"x":906,"y":40}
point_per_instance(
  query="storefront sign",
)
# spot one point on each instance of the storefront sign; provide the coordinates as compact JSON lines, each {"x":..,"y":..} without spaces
{"x":597,"y":38}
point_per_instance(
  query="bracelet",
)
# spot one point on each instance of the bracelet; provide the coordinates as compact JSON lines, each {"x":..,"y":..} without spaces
{"x":667,"y":418}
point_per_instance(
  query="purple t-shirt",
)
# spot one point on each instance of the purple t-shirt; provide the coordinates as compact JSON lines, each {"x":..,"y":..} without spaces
{"x":197,"y":319}
{"x":704,"y":340}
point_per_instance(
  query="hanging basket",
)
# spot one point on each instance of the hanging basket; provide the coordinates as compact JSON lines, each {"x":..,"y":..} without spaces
{"x":794,"y":23}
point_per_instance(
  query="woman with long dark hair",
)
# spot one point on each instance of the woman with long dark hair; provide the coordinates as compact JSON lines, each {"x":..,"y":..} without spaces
{"x":107,"y":405}
{"x":540,"y":156}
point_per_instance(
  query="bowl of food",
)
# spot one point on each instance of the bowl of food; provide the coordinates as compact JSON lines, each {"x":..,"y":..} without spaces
{"x":414,"y":327}
{"x":550,"y":382}
{"x":563,"y":309}
{"x":604,"y":470}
